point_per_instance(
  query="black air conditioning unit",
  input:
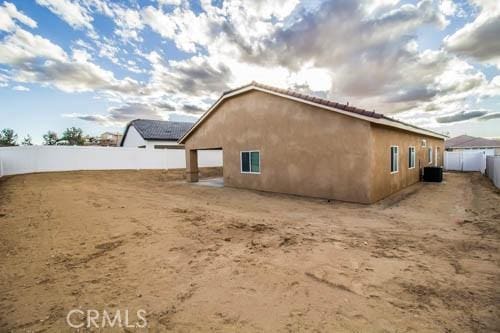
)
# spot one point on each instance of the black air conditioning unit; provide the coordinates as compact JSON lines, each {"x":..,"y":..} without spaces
{"x":433,"y":174}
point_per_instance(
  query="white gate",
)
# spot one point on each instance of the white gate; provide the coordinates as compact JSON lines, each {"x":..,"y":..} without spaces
{"x":453,"y":161}
{"x":474,"y":160}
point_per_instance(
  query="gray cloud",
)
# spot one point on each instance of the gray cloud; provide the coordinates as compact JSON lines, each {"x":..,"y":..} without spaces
{"x":480,"y":40}
{"x":306,"y":89}
{"x":202,"y":77}
{"x":125,"y":113}
{"x":194,"y":77}
{"x":164,"y":106}
{"x":495,"y":115}
{"x":460,"y":116}
{"x":33,"y":58}
{"x":132,"y":111}
{"x":192,"y":109}
{"x":322,"y":35}
{"x":414,"y":94}
{"x":249,"y":51}
{"x":75,"y":76}
{"x":94,"y":118}
{"x":122,"y":114}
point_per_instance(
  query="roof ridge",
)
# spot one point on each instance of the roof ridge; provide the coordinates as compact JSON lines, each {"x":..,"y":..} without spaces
{"x":318,"y":100}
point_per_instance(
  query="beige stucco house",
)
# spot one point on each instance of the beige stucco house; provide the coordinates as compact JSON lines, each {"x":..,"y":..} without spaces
{"x":281,"y":141}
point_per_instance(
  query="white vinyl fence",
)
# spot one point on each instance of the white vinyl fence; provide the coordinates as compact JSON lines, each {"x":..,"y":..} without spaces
{"x":466,"y":160}
{"x":28,"y":159}
{"x":493,"y":169}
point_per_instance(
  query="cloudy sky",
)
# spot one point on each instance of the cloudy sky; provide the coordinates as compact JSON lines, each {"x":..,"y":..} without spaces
{"x":98,"y":64}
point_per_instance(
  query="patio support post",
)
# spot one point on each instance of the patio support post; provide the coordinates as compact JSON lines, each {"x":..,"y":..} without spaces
{"x":192,"y":165}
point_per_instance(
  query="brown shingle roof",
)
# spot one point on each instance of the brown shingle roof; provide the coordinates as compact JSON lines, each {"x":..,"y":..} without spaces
{"x":314,"y":99}
{"x":466,"y":141}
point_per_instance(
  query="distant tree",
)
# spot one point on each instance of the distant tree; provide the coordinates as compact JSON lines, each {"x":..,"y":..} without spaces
{"x":8,"y":137}
{"x":74,"y":136}
{"x":50,"y":139}
{"x":27,"y":141}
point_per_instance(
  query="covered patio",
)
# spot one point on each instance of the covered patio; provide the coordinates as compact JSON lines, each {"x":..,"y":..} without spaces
{"x":192,"y":168}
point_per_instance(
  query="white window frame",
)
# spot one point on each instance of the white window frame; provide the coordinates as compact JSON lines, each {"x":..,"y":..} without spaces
{"x":397,"y":159}
{"x":429,"y":155}
{"x":250,"y":161}
{"x":414,"y":153}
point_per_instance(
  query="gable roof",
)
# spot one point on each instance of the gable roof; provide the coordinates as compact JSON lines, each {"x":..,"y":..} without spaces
{"x":466,"y":141}
{"x":158,"y":129}
{"x":346,"y":109}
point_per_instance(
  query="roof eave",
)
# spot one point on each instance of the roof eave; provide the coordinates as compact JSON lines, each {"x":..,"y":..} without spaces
{"x":161,"y":139}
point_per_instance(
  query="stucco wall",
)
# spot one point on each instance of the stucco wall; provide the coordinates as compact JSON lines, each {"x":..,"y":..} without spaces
{"x":383,"y":137}
{"x":304,"y":150}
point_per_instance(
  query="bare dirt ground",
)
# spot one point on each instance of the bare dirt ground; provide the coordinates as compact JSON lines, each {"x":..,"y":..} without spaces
{"x":198,"y":258}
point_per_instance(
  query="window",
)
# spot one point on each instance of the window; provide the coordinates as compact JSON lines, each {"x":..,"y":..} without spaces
{"x":411,"y":157}
{"x":250,"y":162}
{"x":429,"y":155}
{"x":394,"y":159}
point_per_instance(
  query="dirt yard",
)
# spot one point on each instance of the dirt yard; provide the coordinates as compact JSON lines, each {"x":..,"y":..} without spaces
{"x":199,"y":258}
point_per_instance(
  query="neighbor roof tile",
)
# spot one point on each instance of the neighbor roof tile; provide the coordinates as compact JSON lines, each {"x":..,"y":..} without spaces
{"x":160,"y":130}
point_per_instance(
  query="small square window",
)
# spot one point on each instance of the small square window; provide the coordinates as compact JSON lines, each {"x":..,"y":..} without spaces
{"x":250,"y":162}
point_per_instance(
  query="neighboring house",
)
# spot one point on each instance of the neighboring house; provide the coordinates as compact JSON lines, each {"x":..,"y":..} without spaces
{"x":282,"y":141}
{"x":106,"y":139}
{"x":90,"y":141}
{"x":471,"y":143}
{"x":110,"y":139}
{"x":157,"y":134}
